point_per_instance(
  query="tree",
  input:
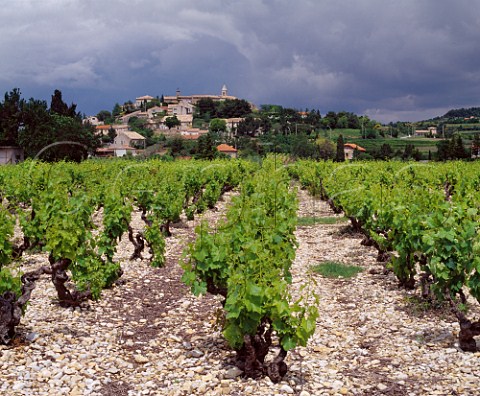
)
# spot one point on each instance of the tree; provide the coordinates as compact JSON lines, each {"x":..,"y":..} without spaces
{"x":176,"y":145}
{"x":451,"y":149}
{"x":206,"y":148}
{"x":232,"y":108}
{"x":386,"y":151}
{"x":217,"y":125}
{"x":364,"y":122}
{"x":171,"y":122}
{"x":250,"y":126}
{"x":52,"y":136}
{"x":443,"y":150}
{"x":73,"y":141}
{"x":205,"y":109}
{"x":250,"y":147}
{"x":129,"y":107}
{"x":340,"y":157}
{"x":342,"y":121}
{"x":330,"y":120}
{"x":57,"y":105}
{"x":417,"y":155}
{"x":110,"y":136}
{"x":370,"y":133}
{"x":117,"y":110}
{"x":408,"y":152}
{"x":271,"y":108}
{"x":325,"y":148}
{"x":137,"y":124}
{"x":11,"y":117}
{"x":104,"y":116}
{"x":458,"y":149}
{"x":264,"y":123}
{"x":37,"y":130}
{"x":353,"y":121}
{"x":313,"y":118}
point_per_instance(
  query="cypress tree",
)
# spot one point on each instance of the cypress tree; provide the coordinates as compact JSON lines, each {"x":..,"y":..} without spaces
{"x":340,"y":157}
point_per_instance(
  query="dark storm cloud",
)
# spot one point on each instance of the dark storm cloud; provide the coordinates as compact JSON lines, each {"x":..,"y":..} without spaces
{"x":391,"y":59}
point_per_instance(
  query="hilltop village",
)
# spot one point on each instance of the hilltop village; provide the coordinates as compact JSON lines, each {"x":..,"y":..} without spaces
{"x":171,"y":116}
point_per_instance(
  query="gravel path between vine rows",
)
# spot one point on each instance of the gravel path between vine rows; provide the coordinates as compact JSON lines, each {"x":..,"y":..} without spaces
{"x":149,"y":336}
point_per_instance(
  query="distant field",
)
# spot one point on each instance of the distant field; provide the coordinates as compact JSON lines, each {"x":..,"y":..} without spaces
{"x":346,"y":133}
{"x":468,"y":134}
{"x":463,"y":127}
{"x":422,"y":144}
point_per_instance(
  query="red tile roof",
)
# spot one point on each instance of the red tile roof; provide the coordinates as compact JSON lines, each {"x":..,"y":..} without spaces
{"x":354,"y":146}
{"x":225,"y":148}
{"x":193,"y":136}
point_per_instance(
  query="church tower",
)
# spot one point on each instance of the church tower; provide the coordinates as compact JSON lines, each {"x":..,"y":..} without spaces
{"x":224,"y":90}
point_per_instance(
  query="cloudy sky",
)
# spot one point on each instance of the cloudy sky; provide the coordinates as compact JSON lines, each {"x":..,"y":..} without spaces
{"x":391,"y":59}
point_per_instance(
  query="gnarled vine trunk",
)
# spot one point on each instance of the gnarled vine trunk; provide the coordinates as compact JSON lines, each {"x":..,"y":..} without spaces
{"x":468,"y":329}
{"x":60,"y":277}
{"x":336,"y":209}
{"x":138,"y":244}
{"x":251,"y":357}
{"x":18,"y":250}
{"x":11,"y":305}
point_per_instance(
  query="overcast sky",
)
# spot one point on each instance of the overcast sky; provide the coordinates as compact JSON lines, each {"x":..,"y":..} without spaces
{"x":391,"y":59}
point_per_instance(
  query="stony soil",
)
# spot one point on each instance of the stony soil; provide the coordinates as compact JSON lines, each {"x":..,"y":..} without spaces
{"x":149,"y":336}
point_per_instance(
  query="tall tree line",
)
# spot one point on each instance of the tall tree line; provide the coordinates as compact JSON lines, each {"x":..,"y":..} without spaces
{"x":52,"y":132}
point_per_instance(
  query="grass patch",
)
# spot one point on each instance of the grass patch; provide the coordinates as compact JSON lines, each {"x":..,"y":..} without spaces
{"x":309,"y":221}
{"x":334,"y":269}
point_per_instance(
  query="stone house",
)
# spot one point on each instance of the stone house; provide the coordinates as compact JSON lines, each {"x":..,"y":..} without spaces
{"x":11,"y":155}
{"x":186,"y":121}
{"x":103,"y":129}
{"x":228,"y":150}
{"x":92,"y":120}
{"x":128,"y":139}
{"x":141,"y":101}
{"x":156,"y":111}
{"x":430,"y":131}
{"x":350,"y":149}
{"x":181,"y":108}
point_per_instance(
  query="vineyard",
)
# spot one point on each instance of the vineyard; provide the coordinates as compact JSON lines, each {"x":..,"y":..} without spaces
{"x":422,"y":219}
{"x":193,"y":277}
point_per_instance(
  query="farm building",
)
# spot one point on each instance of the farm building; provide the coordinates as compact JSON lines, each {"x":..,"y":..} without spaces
{"x":350,"y":148}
